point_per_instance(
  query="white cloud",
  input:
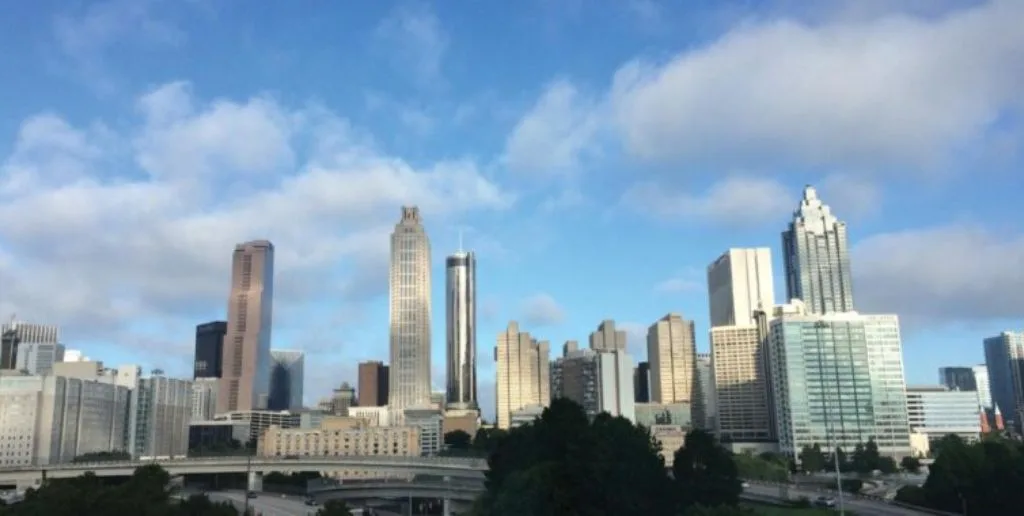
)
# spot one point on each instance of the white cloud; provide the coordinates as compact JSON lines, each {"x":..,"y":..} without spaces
{"x":555,"y":134}
{"x":851,"y":197}
{"x":109,"y":238}
{"x":862,"y":92}
{"x":733,"y":201}
{"x":941,"y":274}
{"x":541,"y":310}
{"x":686,"y":281}
{"x":417,"y":40}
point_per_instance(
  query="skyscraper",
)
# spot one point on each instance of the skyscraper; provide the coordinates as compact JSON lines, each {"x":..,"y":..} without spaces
{"x":17,"y":333}
{"x":524,"y":375}
{"x":817,"y":258}
{"x":286,"y":379}
{"x":958,"y":378}
{"x":607,"y":338}
{"x":641,"y":381}
{"x":984,"y":391}
{"x":740,"y":285}
{"x":837,"y":381}
{"x":209,"y":349}
{"x":1004,"y":357}
{"x":460,"y":308}
{"x":672,"y":355}
{"x":600,"y":381}
{"x":409,"y":377}
{"x":245,"y":378}
{"x":373,"y":384}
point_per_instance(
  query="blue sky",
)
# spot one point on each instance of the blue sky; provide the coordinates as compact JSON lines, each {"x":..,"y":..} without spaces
{"x":596,"y":154}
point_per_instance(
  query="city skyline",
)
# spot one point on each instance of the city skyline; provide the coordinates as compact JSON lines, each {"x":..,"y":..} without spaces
{"x":585,"y":193}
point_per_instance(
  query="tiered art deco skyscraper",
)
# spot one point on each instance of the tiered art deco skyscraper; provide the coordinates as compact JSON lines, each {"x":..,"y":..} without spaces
{"x":409,"y":375}
{"x":460,"y":308}
{"x":817,"y":258}
{"x":245,"y":380}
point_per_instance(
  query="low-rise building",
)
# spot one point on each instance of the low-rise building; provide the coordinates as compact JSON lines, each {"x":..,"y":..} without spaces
{"x":374,"y":416}
{"x":341,"y":436}
{"x":671,"y":438}
{"x":429,"y":422}
{"x":260,"y":420}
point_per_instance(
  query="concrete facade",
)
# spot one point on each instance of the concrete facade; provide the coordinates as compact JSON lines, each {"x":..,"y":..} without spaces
{"x":672,"y":355}
{"x":524,"y":376}
{"x":409,"y":280}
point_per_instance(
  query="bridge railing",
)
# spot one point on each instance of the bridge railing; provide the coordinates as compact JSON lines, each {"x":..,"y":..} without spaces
{"x":370,"y":460}
{"x":876,"y":499}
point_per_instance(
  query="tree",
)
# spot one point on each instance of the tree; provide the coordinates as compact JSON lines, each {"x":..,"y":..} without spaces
{"x":720,"y":510}
{"x":705,"y":473}
{"x":770,"y":469}
{"x":563,"y":464}
{"x":910,"y":464}
{"x":458,"y":440}
{"x":812,"y":459}
{"x":334,"y":508}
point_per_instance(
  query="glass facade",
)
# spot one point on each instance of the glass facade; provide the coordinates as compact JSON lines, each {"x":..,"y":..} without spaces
{"x":937,"y":412}
{"x":209,"y":349}
{"x":838,"y":381}
{"x":817,"y":258}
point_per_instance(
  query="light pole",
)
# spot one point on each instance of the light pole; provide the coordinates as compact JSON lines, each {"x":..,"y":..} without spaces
{"x":248,"y":480}
{"x":830,"y":429}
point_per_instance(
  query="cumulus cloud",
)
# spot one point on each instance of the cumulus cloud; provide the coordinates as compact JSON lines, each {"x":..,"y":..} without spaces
{"x":882,"y":90}
{"x":552,"y":137}
{"x":541,"y":310}
{"x":941,"y":274}
{"x":104,"y":233}
{"x":733,"y":201}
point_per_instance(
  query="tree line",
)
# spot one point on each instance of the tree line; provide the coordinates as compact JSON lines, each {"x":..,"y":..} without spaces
{"x":564,"y":464}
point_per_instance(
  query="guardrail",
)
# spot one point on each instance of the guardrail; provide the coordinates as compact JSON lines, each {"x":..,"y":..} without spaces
{"x":370,"y":460}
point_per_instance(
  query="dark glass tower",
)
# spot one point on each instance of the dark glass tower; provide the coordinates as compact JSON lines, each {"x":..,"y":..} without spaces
{"x":209,"y":349}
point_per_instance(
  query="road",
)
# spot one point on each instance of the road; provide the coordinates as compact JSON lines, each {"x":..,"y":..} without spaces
{"x":856,"y":505}
{"x":266,"y":504}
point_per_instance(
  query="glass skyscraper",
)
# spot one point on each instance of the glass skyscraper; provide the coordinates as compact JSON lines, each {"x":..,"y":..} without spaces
{"x":460,"y":310}
{"x":817,"y":258}
{"x":838,"y":381}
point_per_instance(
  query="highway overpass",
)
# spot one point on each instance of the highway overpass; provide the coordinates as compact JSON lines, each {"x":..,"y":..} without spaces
{"x":458,"y":491}
{"x":452,"y":467}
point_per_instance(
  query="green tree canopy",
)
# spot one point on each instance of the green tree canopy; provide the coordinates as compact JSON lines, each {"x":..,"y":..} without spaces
{"x":705,"y":473}
{"x":458,"y":440}
{"x":981,"y":478}
{"x":910,"y":464}
{"x":564,"y":465}
{"x":812,"y":459}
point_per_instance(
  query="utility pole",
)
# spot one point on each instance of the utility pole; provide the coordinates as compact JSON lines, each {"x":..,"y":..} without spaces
{"x":248,"y":477}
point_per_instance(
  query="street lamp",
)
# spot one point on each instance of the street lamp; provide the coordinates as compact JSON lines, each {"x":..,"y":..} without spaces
{"x":830,"y":429}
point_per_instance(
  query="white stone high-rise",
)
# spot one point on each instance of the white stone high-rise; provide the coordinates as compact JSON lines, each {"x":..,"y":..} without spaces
{"x":409,"y":374}
{"x":672,"y":355}
{"x":740,"y":284}
{"x":817,"y":258}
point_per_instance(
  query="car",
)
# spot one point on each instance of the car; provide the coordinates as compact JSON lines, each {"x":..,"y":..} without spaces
{"x":311,"y":502}
{"x":745,"y":485}
{"x":824,"y":501}
{"x":250,"y":494}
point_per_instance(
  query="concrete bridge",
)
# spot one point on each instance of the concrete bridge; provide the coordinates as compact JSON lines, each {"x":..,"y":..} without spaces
{"x":457,"y":468}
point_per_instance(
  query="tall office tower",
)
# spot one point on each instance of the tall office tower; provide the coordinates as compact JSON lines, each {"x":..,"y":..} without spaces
{"x":1004,"y":358}
{"x":373,"y":384}
{"x":39,"y":357}
{"x":641,"y":381}
{"x":524,"y":374}
{"x":409,"y":377}
{"x":607,"y":338}
{"x":706,"y":380}
{"x":245,"y":375}
{"x":672,"y":355}
{"x":159,"y":416}
{"x":17,"y":333}
{"x":600,"y":381}
{"x":460,"y":305}
{"x":982,"y":381}
{"x":837,"y":380}
{"x":209,"y":349}
{"x":958,"y":378}
{"x":817,"y":258}
{"x":286,"y":379}
{"x":739,"y":286}
{"x":739,"y":283}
